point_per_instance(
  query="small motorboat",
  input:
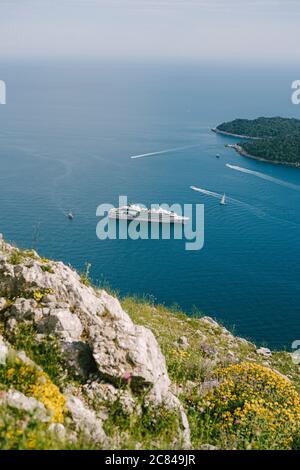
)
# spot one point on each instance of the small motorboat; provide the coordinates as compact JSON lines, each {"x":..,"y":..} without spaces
{"x":70,"y":216}
{"x":223,"y":200}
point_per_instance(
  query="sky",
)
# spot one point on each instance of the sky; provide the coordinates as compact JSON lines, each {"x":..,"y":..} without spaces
{"x":249,"y":31}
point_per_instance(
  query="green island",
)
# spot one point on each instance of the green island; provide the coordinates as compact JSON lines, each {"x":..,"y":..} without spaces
{"x":275,"y":140}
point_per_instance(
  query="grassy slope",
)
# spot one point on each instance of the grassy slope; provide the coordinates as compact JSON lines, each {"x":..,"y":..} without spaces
{"x":208,"y":347}
{"x":168,"y":325}
{"x":188,"y":368}
{"x":191,"y":367}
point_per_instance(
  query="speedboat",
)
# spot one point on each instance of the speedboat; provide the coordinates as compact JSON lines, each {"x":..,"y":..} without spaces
{"x":142,"y":214}
{"x":223,"y":200}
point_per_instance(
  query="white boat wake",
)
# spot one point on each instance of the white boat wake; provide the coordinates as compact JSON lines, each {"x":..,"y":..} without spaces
{"x":205,"y":191}
{"x":176,"y":149}
{"x":264,"y":177}
{"x":253,"y":209}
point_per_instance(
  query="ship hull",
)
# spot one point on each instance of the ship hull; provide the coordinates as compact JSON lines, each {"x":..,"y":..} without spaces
{"x":151,"y":218}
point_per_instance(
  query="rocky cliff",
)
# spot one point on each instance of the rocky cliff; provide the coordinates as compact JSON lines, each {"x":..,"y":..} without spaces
{"x":78,"y":369}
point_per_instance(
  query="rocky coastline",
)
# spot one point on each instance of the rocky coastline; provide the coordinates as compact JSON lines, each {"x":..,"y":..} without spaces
{"x":80,"y":369}
{"x":239,"y":149}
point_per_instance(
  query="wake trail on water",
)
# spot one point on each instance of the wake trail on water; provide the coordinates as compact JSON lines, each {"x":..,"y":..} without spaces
{"x":205,"y":191}
{"x":249,"y":207}
{"x":160,"y":152}
{"x":57,"y":180}
{"x":264,"y":176}
{"x":255,"y":210}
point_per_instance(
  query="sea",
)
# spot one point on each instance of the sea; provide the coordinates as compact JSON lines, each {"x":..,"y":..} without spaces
{"x":67,"y":134}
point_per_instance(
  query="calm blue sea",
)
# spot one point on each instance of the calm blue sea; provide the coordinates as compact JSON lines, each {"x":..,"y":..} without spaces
{"x":66,"y":137}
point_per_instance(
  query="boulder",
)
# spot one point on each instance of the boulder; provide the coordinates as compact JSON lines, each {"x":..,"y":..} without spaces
{"x":264,"y":352}
{"x":24,"y":358}
{"x":58,"y":429}
{"x":22,"y":309}
{"x":129,"y":353}
{"x":10,"y":326}
{"x":207,"y":349}
{"x":243,"y":341}
{"x":4,"y":351}
{"x":183,"y":342}
{"x":63,"y":284}
{"x":184,"y":435}
{"x":103,"y":395}
{"x":208,"y":447}
{"x":2,"y":303}
{"x":79,"y":358}
{"x":209,"y":321}
{"x":85,"y":421}
{"x":18,"y":400}
{"x":63,"y":323}
{"x":94,"y":332}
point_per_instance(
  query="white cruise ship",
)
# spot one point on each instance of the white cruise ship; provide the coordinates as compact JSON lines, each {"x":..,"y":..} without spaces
{"x":141,"y":214}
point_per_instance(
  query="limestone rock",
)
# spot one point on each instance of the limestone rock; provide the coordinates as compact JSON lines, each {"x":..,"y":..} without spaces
{"x":121,"y":349}
{"x":4,"y":351}
{"x":10,"y":326}
{"x":184,"y":435}
{"x":24,"y":358}
{"x":208,"y":447}
{"x":104,"y":395}
{"x":208,"y":385}
{"x":16,"y":399}
{"x":79,"y":358}
{"x":210,"y":322}
{"x":94,"y":332}
{"x":2,"y":303}
{"x":207,"y":349}
{"x":22,"y":309}
{"x":183,"y":342}
{"x":101,"y":392}
{"x":58,"y":429}
{"x":264,"y":352}
{"x":62,"y":322}
{"x":63,"y":284}
{"x":243,"y":341}
{"x":85,"y":420}
{"x":127,"y":352}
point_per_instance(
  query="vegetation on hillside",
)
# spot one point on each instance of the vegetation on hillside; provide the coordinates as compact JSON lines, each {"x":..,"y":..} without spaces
{"x":234,"y":398}
{"x":274,"y":139}
{"x":262,"y":127}
{"x":279,"y":149}
{"x":234,"y":395}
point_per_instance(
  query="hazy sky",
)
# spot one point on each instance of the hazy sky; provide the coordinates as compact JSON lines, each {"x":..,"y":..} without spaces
{"x":233,"y":30}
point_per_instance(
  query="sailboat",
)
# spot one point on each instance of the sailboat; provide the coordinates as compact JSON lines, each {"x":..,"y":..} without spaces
{"x":223,"y":200}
